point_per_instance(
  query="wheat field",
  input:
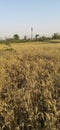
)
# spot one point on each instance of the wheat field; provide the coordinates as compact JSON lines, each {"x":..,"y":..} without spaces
{"x":30,"y":86}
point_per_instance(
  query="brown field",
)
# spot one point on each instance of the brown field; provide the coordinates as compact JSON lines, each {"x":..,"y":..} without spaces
{"x":30,"y":86}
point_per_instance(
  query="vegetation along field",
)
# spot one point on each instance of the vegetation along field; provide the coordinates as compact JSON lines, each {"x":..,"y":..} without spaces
{"x":30,"y":86}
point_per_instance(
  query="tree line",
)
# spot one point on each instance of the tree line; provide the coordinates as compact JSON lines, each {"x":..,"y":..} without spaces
{"x":16,"y":38}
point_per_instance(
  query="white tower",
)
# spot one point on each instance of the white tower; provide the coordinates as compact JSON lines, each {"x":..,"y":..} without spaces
{"x":31,"y":33}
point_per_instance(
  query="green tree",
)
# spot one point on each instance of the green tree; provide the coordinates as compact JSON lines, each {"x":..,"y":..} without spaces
{"x":36,"y":36}
{"x":16,"y":37}
{"x":56,"y":36}
{"x":25,"y":37}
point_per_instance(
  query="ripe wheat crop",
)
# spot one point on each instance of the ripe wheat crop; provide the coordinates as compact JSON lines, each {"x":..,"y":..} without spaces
{"x":30,"y":87}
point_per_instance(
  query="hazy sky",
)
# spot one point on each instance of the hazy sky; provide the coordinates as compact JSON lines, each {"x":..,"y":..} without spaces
{"x":18,"y":16}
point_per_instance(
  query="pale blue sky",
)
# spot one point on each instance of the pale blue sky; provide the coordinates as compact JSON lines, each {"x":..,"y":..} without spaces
{"x":18,"y":16}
